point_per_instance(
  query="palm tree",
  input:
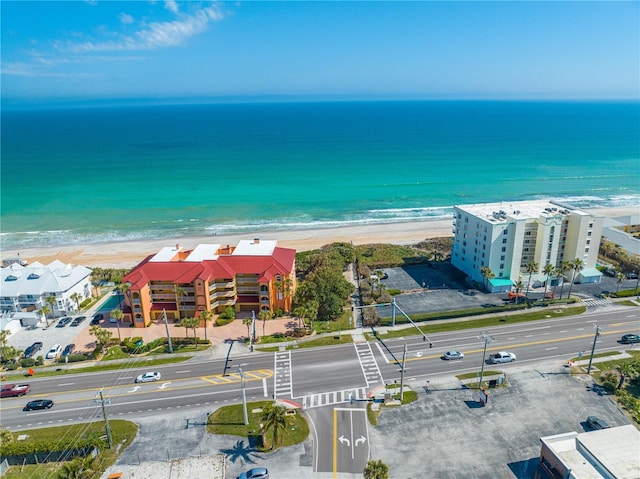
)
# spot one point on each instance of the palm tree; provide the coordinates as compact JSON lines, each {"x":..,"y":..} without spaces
{"x":4,"y":336}
{"x":264,"y":315}
{"x":204,"y":317}
{"x":103,"y":336}
{"x":51,"y":301}
{"x":376,"y":470}
{"x":180,"y":293}
{"x":278,"y":285}
{"x":78,"y":468}
{"x":576,"y":266}
{"x":123,"y":288}
{"x":487,"y":274}
{"x":561,"y":271}
{"x":192,"y":323}
{"x":5,"y":436}
{"x":531,"y":267}
{"x":76,"y":299}
{"x":620,"y":277}
{"x":274,"y":417}
{"x":518,"y":287}
{"x":287,"y":286}
{"x":247,"y":322}
{"x":44,"y":310}
{"x":548,"y":272}
{"x":626,"y":370}
{"x":117,"y":315}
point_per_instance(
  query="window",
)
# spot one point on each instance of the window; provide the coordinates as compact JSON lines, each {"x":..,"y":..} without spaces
{"x":504,"y":241}
{"x":502,"y":258}
{"x":588,"y":241}
{"x":501,"y":265}
{"x":589,"y":233}
{"x":278,"y":277}
{"x":464,"y":243}
{"x":505,"y":232}
{"x":504,"y":249}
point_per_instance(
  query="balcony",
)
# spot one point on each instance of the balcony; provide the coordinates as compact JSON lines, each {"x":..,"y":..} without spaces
{"x":248,"y":289}
{"x":162,"y":297}
{"x":217,"y":286}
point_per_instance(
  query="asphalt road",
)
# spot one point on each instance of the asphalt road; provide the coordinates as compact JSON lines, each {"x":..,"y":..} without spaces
{"x":323,"y":380}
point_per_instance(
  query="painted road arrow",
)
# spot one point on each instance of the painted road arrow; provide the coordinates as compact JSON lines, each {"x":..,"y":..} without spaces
{"x":135,"y":388}
{"x":164,"y":385}
{"x":419,"y":354}
{"x":343,"y":440}
{"x":360,"y":440}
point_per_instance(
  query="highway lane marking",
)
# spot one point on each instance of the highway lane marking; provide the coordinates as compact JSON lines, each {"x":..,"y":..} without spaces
{"x":255,"y":375}
{"x":264,"y":387}
{"x":513,"y":346}
{"x":180,"y":372}
{"x":66,"y":384}
{"x":549,"y":349}
{"x":114,"y":404}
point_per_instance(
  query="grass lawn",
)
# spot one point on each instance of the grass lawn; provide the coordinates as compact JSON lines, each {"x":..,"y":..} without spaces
{"x":324,"y":341}
{"x":230,"y":420}
{"x":122,"y":432}
{"x":547,"y":313}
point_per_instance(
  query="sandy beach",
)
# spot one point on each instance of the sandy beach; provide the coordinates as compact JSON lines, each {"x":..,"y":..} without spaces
{"x":129,"y":253}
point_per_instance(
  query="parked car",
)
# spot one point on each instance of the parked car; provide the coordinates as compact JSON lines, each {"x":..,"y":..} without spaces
{"x":630,"y":339}
{"x":14,"y":390}
{"x":68,"y":349}
{"x":53,"y":352}
{"x":631,"y":275}
{"x":255,"y":473}
{"x":38,"y":404}
{"x":96,"y":319}
{"x":33,"y":349}
{"x":148,"y":377}
{"x":78,"y":320}
{"x":595,"y":422}
{"x":63,"y":322}
{"x":453,"y":355}
{"x":502,"y":357}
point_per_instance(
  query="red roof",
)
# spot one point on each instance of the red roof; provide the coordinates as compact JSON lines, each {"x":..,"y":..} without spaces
{"x":225,"y":266}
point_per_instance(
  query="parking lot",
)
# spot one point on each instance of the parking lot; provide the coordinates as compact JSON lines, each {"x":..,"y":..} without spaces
{"x":446,"y":434}
{"x":52,"y":335}
{"x":445,"y":289}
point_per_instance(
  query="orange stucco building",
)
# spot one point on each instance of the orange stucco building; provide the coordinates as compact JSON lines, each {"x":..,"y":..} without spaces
{"x":252,"y":276}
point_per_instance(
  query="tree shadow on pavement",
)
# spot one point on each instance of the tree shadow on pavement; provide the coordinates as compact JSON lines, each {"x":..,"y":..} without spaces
{"x":239,"y":450}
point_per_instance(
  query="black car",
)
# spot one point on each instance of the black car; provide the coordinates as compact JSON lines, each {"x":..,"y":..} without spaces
{"x":68,"y":350}
{"x":63,"y":322}
{"x":96,"y":319}
{"x":78,"y":320}
{"x":631,"y":275}
{"x":38,"y":404}
{"x":595,"y":422}
{"x":630,"y":339}
{"x":33,"y":349}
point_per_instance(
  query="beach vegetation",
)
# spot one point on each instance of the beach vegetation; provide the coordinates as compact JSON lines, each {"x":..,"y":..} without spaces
{"x":621,"y":379}
{"x":376,"y":470}
{"x":70,"y":441}
{"x":328,"y":287}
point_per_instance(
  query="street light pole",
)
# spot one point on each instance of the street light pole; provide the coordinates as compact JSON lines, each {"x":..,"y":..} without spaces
{"x":593,"y":348}
{"x":487,"y":339}
{"x":404,"y":356}
{"x":107,"y":428}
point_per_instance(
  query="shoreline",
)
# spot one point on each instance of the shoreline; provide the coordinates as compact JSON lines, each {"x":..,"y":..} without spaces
{"x":127,"y":254}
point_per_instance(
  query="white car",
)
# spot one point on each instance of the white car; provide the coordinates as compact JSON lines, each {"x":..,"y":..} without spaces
{"x":148,"y":377}
{"x":53,"y":352}
{"x":502,"y":357}
{"x":453,"y":355}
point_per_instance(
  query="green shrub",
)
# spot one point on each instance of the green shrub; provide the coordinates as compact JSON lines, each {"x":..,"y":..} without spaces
{"x":11,"y":366}
{"x":39,"y":360}
{"x":86,"y":302}
{"x":75,"y":358}
{"x":222,"y":321}
{"x":228,"y":313}
{"x":28,"y":362}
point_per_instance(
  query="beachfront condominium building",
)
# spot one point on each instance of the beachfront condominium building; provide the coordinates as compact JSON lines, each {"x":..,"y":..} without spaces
{"x":506,"y":237}
{"x":253,"y":276}
{"x":57,"y":287}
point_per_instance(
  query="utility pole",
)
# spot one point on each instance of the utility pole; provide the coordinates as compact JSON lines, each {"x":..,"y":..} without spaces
{"x":244,"y":398}
{"x":593,"y":348}
{"x":103,"y":402}
{"x":166,"y":327}
{"x":404,"y":356}
{"x":393,"y":312}
{"x":487,"y":339}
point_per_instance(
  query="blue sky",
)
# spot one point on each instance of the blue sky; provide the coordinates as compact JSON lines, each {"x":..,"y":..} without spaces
{"x":56,"y":51}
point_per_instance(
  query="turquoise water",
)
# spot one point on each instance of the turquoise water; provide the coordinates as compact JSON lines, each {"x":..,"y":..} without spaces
{"x":120,"y":173}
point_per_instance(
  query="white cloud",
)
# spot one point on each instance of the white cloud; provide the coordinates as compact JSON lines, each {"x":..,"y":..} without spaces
{"x":158,"y":34}
{"x":171,"y":5}
{"x":125,"y":18}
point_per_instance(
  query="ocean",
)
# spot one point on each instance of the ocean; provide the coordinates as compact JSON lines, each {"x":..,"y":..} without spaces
{"x":119,"y":173}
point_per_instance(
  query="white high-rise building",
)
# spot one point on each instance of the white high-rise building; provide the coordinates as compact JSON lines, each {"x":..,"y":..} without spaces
{"x":507,"y":236}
